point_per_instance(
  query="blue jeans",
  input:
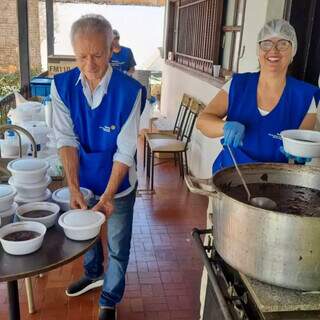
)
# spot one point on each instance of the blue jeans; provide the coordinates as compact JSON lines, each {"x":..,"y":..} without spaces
{"x":118,"y":240}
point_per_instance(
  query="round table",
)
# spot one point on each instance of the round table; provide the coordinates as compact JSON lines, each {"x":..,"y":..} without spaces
{"x":56,"y":250}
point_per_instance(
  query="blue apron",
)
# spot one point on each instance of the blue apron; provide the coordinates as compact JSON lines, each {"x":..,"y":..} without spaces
{"x":258,"y":145}
{"x":97,"y":129}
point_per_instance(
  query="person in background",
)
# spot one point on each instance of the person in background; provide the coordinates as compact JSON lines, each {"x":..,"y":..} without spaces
{"x":122,"y":57}
{"x":96,"y":115}
{"x":253,"y":106}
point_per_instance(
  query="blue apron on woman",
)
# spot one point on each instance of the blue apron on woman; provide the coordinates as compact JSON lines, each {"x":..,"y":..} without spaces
{"x":97,"y":129}
{"x":258,"y":145}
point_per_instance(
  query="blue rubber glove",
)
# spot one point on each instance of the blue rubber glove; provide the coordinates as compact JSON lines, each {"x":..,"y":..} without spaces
{"x":297,"y":160}
{"x":233,"y":133}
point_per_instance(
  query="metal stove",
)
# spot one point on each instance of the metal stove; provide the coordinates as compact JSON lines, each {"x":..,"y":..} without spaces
{"x":231,"y":295}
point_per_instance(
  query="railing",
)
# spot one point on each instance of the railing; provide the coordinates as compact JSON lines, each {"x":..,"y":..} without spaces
{"x":198,"y":34}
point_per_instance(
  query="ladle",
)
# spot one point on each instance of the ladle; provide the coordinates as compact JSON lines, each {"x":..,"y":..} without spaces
{"x":261,"y":202}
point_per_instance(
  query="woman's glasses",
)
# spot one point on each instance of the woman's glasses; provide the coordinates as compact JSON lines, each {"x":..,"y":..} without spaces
{"x":280,"y":45}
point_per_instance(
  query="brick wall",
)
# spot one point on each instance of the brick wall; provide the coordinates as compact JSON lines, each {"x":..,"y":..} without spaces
{"x":9,"y":52}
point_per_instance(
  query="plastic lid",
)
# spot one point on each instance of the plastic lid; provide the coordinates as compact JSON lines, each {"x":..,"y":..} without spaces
{"x":27,"y":165}
{"x":81,"y":218}
{"x":63,"y":194}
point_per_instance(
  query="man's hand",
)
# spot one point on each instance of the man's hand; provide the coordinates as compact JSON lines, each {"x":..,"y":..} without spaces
{"x":105,"y":206}
{"x":77,"y":201}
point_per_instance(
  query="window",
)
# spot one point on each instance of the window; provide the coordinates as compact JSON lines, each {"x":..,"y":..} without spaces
{"x":202,"y":33}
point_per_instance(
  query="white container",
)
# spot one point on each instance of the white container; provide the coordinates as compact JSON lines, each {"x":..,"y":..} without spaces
{"x":31,"y":190}
{"x":44,"y":197}
{"x":10,"y":149}
{"x":293,"y":143}
{"x":7,"y":194}
{"x":48,"y":221}
{"x":28,"y":170}
{"x":6,"y":216}
{"x":22,"y":247}
{"x":62,"y":197}
{"x":81,"y":224}
{"x":27,"y":111}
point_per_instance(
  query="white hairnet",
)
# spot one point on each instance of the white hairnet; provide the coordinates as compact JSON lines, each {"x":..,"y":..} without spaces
{"x":281,"y":29}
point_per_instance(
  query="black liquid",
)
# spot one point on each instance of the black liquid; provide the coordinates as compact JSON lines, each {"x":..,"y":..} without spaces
{"x":37,"y":213}
{"x":21,"y":235}
{"x":289,"y":199}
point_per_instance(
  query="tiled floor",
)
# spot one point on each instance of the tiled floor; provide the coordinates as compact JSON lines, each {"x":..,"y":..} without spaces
{"x":164,"y":272}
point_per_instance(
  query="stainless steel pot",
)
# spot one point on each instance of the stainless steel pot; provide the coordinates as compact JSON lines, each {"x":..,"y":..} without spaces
{"x":273,"y":247}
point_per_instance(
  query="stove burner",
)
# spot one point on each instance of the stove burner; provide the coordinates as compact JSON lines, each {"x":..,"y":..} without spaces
{"x":234,"y":296}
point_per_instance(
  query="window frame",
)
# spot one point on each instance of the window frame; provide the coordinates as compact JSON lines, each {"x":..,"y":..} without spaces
{"x":172,"y":54}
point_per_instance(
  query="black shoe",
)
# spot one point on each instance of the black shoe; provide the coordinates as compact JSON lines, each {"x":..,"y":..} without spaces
{"x":107,"y":313}
{"x":82,"y":286}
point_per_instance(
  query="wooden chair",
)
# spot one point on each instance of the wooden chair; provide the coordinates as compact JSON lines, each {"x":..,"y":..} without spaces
{"x":168,"y":134}
{"x":175,"y":144}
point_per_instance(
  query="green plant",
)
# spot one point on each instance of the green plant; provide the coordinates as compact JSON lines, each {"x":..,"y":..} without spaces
{"x":10,"y":82}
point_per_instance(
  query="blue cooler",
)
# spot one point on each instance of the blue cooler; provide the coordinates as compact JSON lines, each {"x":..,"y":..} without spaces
{"x":40,"y":86}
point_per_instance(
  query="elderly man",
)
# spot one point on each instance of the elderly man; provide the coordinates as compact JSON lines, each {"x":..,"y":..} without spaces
{"x":122,"y":57}
{"x":96,"y":120}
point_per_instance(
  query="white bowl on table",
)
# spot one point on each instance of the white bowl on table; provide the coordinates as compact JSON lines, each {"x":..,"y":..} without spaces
{"x":31,"y":190}
{"x":62,"y":197}
{"x":28,"y":171}
{"x":48,"y":221}
{"x":81,"y":224}
{"x":26,"y":246}
{"x":6,"y":216}
{"x":301,"y":143}
{"x":7,"y":194}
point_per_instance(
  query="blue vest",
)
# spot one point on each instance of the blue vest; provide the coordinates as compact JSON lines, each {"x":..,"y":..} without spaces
{"x":258,"y":145}
{"x":98,"y":129}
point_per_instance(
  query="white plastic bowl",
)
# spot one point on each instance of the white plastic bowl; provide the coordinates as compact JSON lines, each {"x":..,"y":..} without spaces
{"x":31,"y":190}
{"x":7,"y":194}
{"x":6,"y":216}
{"x":28,"y":170}
{"x":48,"y":221}
{"x":81,"y":224}
{"x":62,"y":197}
{"x":293,"y":144}
{"x":22,"y":247}
{"x":44,"y":197}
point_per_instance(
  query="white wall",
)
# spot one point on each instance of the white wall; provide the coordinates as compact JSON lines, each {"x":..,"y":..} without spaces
{"x":275,"y":9}
{"x":254,"y":19}
{"x":175,"y":83}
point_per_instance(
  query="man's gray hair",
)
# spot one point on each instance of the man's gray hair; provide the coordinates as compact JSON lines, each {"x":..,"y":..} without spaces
{"x":92,"y":23}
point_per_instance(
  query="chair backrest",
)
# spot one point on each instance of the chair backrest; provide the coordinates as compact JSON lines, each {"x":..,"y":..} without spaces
{"x":194,"y":109}
{"x":182,"y":112}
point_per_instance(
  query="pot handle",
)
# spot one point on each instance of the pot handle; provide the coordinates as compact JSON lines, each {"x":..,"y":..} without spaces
{"x":204,"y":187}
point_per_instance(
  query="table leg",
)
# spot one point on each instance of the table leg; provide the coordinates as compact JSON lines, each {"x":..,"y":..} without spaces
{"x":31,"y":307}
{"x":13,"y":297}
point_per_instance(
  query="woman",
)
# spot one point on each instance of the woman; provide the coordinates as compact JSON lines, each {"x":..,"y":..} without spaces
{"x":258,"y":105}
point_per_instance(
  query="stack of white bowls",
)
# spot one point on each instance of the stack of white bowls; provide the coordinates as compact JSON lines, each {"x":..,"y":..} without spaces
{"x":7,"y":205}
{"x":30,"y":179}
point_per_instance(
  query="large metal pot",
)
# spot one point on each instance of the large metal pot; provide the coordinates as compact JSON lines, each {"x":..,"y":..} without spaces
{"x":273,"y":247}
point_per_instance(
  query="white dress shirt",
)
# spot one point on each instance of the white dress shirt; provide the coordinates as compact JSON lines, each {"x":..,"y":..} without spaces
{"x":127,"y":138}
